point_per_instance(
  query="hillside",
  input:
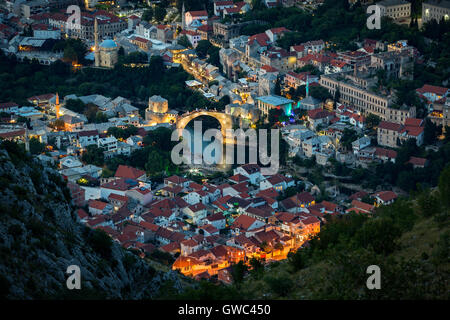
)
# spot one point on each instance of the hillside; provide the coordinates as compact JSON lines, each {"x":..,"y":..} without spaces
{"x":40,"y":237}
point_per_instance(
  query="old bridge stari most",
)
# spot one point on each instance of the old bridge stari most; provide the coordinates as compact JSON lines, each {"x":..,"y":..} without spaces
{"x":225,"y":120}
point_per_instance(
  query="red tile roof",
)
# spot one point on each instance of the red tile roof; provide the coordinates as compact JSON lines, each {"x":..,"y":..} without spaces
{"x":268,"y":68}
{"x":358,"y":195}
{"x":413,"y":122}
{"x":176,"y":179}
{"x":261,"y":38}
{"x":278,"y":30}
{"x":216,"y":217}
{"x":270,"y":193}
{"x":238,"y":178}
{"x":285,"y":216}
{"x":240,"y":187}
{"x":386,"y":195}
{"x":310,"y":220}
{"x":198,"y":13}
{"x":243,"y":222}
{"x":118,"y":197}
{"x":99,"y":205}
{"x":171,"y":247}
{"x":381,"y":152}
{"x":82,"y":214}
{"x":414,"y":131}
{"x":440,"y":91}
{"x":197,"y":207}
{"x":88,"y":133}
{"x":390,"y":126}
{"x":362,"y":205}
{"x":318,"y":114}
{"x":232,"y":10}
{"x":417,"y":161}
{"x":223,"y":3}
{"x":128,"y":172}
{"x":209,"y":228}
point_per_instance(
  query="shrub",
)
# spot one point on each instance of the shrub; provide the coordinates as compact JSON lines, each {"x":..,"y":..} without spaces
{"x":101,"y":243}
{"x":280,"y":285}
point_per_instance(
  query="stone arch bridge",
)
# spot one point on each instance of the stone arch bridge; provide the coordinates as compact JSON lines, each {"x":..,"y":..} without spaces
{"x":225,"y":120}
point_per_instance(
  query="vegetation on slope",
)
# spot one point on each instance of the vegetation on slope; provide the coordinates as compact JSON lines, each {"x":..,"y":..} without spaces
{"x":40,"y":237}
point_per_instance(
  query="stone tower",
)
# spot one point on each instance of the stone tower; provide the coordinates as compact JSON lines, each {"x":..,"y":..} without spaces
{"x":96,"y":47}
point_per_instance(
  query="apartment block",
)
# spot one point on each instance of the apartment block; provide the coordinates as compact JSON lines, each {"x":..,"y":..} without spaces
{"x":435,"y":10}
{"x":354,"y":90}
{"x":395,"y":9}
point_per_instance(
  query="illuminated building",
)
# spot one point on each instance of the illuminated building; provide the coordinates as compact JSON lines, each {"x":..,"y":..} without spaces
{"x":158,"y":111}
{"x":265,"y":103}
{"x":105,"y":54}
{"x":435,"y":10}
{"x":395,"y":9}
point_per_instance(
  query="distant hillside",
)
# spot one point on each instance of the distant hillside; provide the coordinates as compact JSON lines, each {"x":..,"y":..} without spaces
{"x":40,"y":237}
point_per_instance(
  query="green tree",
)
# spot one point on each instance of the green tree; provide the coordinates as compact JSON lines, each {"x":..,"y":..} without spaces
{"x":444,"y":187}
{"x":431,"y":132}
{"x":257,"y":268}
{"x":160,"y":13}
{"x":70,"y":55}
{"x":202,"y":48}
{"x":258,"y":5}
{"x":372,"y":120}
{"x":238,"y":272}
{"x":184,"y":41}
{"x":428,"y":203}
{"x":93,"y":155}
{"x":348,"y":136}
{"x":277,"y":89}
{"x":320,"y":93}
{"x":148,"y":14}
{"x":76,"y":105}
{"x":379,"y":234}
{"x":156,"y":162}
{"x":160,"y":138}
{"x":35,"y":146}
{"x":280,"y":285}
{"x":297,"y":260}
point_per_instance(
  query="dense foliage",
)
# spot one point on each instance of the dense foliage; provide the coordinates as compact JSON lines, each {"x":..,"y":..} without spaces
{"x":18,"y":81}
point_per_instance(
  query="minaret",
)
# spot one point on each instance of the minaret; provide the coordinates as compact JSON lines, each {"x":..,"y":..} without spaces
{"x":27,"y":139}
{"x":57,"y":106}
{"x":307,"y":86}
{"x":96,"y":48}
{"x":183,"y":22}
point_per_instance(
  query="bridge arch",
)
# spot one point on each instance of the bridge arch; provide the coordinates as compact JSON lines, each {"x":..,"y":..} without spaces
{"x":225,"y":120}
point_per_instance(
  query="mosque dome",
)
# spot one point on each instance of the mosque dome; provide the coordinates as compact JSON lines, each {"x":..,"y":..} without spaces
{"x":108,"y":44}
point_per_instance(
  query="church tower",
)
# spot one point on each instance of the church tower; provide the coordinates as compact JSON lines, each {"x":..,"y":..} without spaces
{"x":183,"y":22}
{"x":96,"y":47}
{"x":57,"y":106}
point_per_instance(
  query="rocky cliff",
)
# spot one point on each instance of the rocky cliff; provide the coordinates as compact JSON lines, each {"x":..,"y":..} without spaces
{"x":40,"y":237}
